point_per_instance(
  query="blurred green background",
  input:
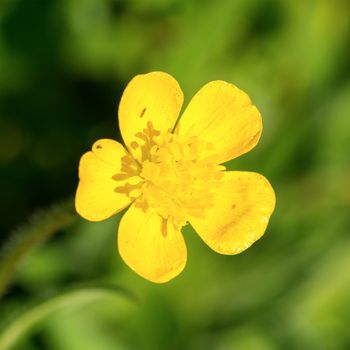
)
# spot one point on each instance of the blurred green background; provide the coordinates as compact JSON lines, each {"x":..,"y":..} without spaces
{"x":63,"y":67}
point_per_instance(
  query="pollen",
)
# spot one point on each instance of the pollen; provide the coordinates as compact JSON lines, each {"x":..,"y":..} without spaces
{"x":177,"y":175}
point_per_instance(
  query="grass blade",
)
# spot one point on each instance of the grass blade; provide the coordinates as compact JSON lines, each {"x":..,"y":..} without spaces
{"x":32,"y":315}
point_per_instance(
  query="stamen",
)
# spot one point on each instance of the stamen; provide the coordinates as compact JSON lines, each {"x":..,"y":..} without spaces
{"x":177,"y":176}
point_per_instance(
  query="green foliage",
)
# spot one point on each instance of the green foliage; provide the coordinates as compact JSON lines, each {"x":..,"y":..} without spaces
{"x":64,"y":64}
{"x":32,"y":315}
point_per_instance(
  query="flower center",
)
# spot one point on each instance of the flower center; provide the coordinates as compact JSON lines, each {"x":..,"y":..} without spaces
{"x":178,"y":176}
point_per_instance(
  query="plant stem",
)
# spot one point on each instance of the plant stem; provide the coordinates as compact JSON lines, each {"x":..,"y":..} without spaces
{"x":40,"y":227}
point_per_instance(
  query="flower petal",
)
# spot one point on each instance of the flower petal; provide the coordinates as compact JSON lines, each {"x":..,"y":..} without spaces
{"x":154,"y":98}
{"x":96,"y":198}
{"x":223,"y":115}
{"x":151,"y":246}
{"x":243,"y":207}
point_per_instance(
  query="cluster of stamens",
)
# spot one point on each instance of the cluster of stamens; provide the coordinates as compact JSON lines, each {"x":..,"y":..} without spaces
{"x":176,"y":175}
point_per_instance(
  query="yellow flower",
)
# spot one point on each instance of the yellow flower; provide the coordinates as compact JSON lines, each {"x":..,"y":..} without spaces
{"x":170,"y":175}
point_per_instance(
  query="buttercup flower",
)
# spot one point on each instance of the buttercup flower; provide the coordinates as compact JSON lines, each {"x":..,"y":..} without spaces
{"x":171,"y":174}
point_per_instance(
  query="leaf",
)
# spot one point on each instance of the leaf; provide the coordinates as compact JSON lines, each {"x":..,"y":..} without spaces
{"x":32,"y":315}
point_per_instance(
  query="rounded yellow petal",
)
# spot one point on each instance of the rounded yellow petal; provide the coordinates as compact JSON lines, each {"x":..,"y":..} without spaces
{"x":154,"y":98}
{"x":222,"y":114}
{"x":96,"y":198}
{"x":150,"y":245}
{"x":240,"y":216}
